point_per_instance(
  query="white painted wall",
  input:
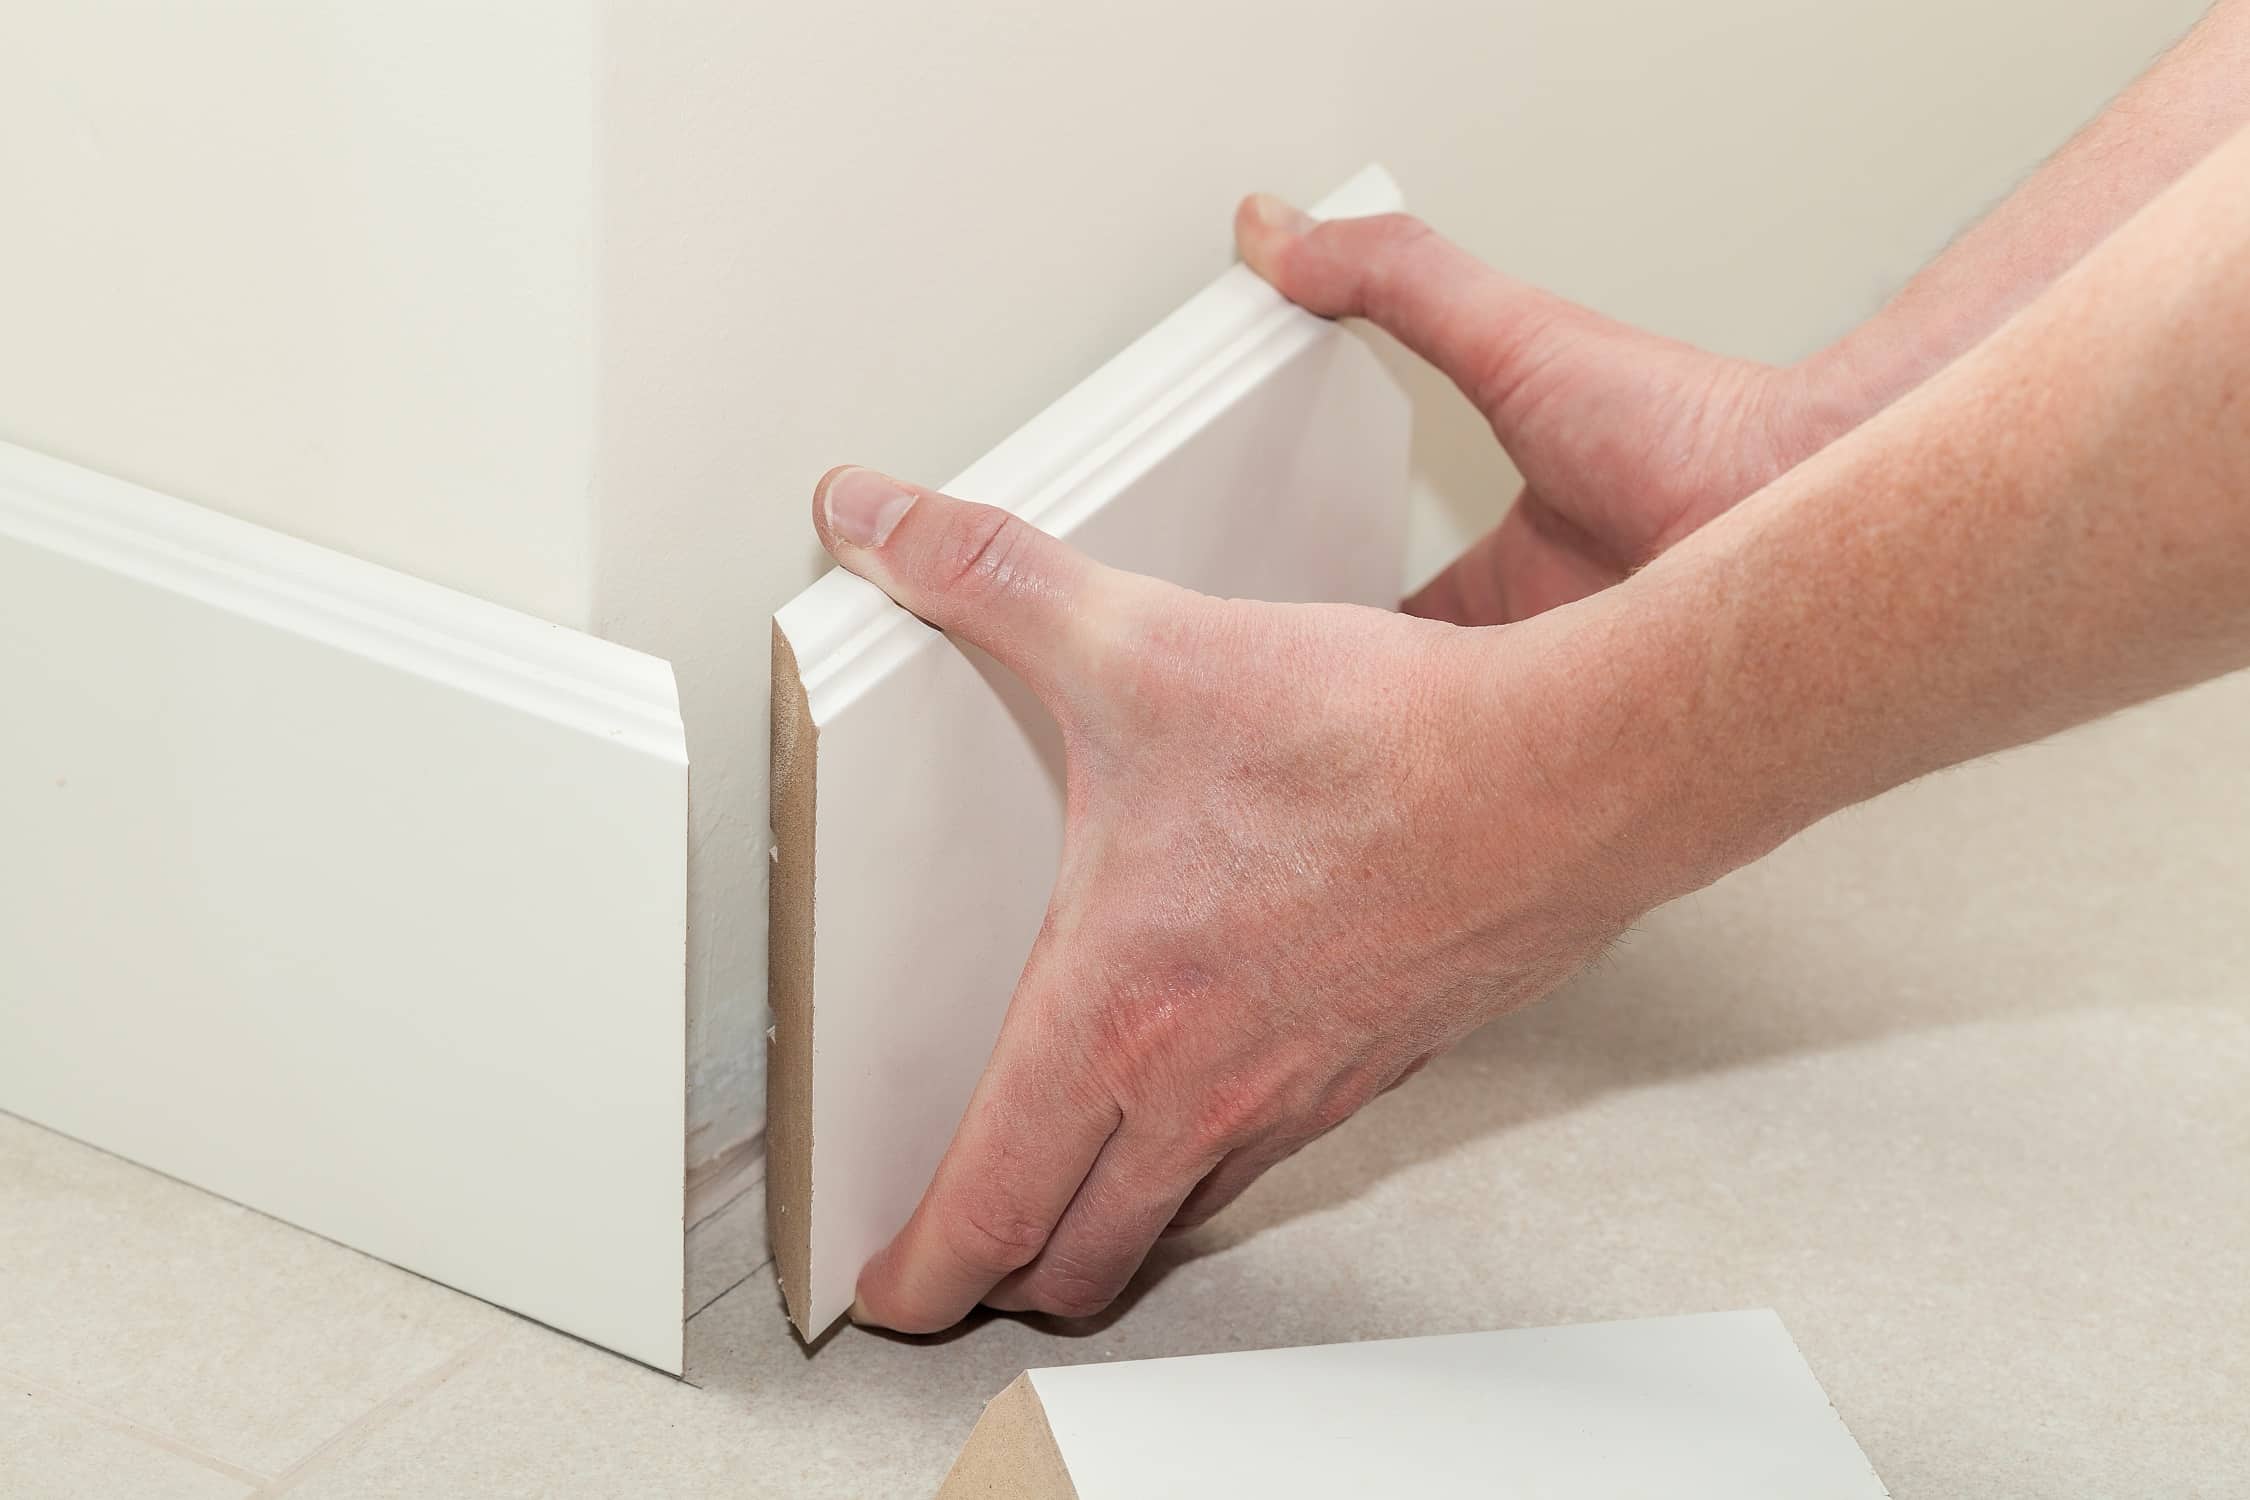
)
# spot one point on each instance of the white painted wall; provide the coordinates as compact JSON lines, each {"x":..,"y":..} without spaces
{"x":323,"y":264}
{"x":569,"y":304}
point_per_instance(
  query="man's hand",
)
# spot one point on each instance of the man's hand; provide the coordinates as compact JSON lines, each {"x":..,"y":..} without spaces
{"x":1305,"y":847}
{"x":1626,"y":441}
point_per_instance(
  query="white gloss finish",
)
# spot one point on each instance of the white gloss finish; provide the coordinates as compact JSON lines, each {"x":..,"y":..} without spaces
{"x":1243,"y":447}
{"x":342,"y":895}
{"x":1718,"y":1406}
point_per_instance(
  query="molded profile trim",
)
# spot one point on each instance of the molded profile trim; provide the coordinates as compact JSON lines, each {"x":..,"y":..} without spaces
{"x":560,"y":674}
{"x":348,"y":897}
{"x":846,"y":632}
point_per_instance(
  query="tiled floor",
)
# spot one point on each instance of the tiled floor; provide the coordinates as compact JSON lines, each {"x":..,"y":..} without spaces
{"x":1956,"y":1083}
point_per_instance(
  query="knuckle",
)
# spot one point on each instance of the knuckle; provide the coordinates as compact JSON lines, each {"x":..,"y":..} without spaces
{"x":980,"y":551}
{"x":1073,"y":1306}
{"x":995,"y":1234}
{"x":1395,"y":243}
{"x":1371,"y":238}
{"x":1069,"y":1293}
{"x":1408,"y":1072}
{"x":1329,"y":1114}
{"x":1201,"y":1206}
{"x":1230,"y":1113}
{"x":1142,"y":1027}
{"x":1396,"y":231}
{"x":1345,"y":265}
{"x":1211,"y":1198}
{"x":1190,"y":1218}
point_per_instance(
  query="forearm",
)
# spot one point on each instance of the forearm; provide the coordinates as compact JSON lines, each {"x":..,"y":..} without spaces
{"x":2054,"y":527}
{"x":2172,"y":116}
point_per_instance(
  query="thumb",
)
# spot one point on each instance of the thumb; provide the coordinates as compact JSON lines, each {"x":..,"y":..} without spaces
{"x":1486,"y":331}
{"x":1041,"y":608}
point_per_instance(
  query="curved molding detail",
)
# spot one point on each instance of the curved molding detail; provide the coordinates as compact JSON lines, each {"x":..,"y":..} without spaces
{"x":309,"y":591}
{"x":1242,"y":447}
{"x":1079,"y":453}
{"x":345,"y":896}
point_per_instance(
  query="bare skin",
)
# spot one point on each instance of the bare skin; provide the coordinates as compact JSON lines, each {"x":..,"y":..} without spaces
{"x":1307,"y":847}
{"x":1628,"y":441}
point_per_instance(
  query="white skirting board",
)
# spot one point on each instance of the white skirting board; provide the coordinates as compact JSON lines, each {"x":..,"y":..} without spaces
{"x":1718,"y":1406}
{"x":350,"y":898}
{"x":1243,"y":447}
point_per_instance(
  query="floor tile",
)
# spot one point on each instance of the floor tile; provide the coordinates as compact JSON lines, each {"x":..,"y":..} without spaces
{"x":48,"y":1452}
{"x":540,"y":1414}
{"x":235,"y":1334}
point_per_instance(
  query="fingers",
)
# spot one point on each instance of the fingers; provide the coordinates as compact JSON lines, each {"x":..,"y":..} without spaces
{"x":1535,"y":559}
{"x":1228,"y":1180}
{"x":1486,"y":331}
{"x":1040,"y":607}
{"x":1246,"y":1164}
{"x":1133,"y":1191}
{"x":1470,"y":590}
{"x":1023,"y":1148}
{"x":1409,"y":1071}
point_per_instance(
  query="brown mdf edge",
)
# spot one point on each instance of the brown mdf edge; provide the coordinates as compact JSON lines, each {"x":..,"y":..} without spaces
{"x":1012,"y":1454}
{"x":789,"y":982}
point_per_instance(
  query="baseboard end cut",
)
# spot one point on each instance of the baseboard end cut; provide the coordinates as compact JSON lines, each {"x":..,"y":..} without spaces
{"x":1012,"y":1453}
{"x":789,"y":978}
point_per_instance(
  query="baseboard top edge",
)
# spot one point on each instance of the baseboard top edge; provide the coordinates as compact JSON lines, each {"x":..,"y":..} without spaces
{"x":250,"y":570}
{"x":846,"y":632}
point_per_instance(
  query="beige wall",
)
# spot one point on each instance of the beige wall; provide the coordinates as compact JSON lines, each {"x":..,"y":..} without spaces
{"x":322,"y":264}
{"x":570,"y":307}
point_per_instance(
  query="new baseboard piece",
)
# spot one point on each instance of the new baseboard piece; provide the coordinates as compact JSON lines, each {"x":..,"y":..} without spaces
{"x":1718,"y":1406}
{"x":1243,"y":447}
{"x":350,"y":898}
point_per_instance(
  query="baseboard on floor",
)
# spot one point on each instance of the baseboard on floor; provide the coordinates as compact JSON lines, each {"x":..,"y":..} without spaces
{"x":345,"y":896}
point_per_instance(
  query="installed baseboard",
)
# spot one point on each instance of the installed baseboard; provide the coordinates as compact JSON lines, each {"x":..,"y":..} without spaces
{"x":345,"y":896}
{"x":1242,"y":447}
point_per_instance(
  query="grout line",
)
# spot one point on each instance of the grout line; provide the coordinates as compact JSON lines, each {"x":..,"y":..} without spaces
{"x":38,"y":1391}
{"x":745,"y":1276}
{"x":377,"y":1415}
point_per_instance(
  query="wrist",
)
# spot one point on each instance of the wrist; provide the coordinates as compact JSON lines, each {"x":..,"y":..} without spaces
{"x":1651,"y":770}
